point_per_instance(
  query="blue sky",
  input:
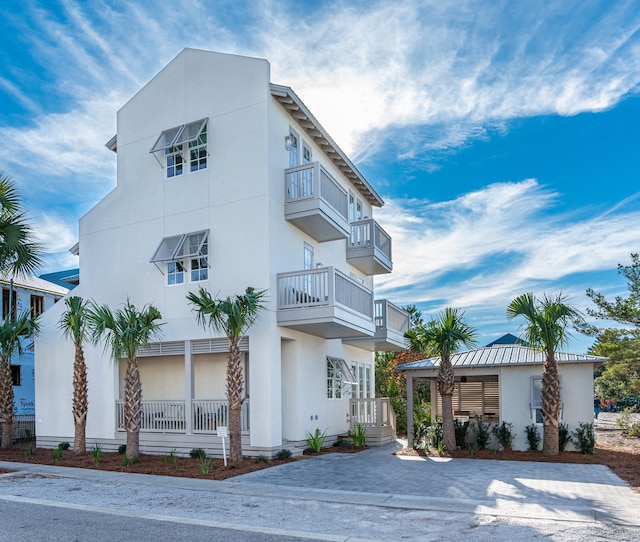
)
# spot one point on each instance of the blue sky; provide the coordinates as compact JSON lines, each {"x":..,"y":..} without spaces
{"x":502,"y":135}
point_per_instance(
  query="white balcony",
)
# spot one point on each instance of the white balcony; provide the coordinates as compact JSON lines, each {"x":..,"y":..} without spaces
{"x":369,"y":248}
{"x":391,"y":325}
{"x":326,"y":303}
{"x":315,"y":203}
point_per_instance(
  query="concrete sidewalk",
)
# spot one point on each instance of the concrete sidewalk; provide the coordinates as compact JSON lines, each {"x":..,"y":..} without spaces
{"x":548,"y":491}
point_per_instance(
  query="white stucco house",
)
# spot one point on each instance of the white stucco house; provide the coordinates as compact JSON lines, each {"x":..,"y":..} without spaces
{"x":503,"y":382}
{"x":20,"y":293}
{"x":225,"y":180}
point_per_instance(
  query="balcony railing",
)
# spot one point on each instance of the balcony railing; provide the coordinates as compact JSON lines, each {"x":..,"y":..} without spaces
{"x":315,"y":202}
{"x":169,"y":416}
{"x":323,"y":286}
{"x":369,"y":247}
{"x":389,"y":316}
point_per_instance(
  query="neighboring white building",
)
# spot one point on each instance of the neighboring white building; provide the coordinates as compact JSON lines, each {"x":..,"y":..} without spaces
{"x":25,"y":292}
{"x":503,"y":382}
{"x":225,"y":180}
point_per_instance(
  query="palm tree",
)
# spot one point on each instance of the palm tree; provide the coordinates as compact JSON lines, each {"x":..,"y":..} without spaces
{"x":18,"y":252}
{"x":73,"y":324}
{"x":12,"y":329}
{"x":123,"y":332}
{"x":232,"y":316}
{"x":445,"y":335}
{"x":547,"y":321}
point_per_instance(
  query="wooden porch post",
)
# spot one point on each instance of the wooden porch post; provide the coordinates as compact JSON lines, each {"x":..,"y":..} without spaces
{"x":409,"y":409}
{"x":188,"y":385}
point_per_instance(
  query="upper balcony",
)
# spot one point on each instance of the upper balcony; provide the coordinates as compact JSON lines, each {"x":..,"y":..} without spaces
{"x":316,"y":203}
{"x":326,"y":303}
{"x":391,"y":325}
{"x":369,"y":248}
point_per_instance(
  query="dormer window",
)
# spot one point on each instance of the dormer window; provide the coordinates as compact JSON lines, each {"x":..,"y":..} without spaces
{"x":174,"y":142}
{"x":183,"y":256}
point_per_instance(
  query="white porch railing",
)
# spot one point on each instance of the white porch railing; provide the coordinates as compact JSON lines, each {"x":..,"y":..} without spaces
{"x":367,"y":233}
{"x":169,"y":416}
{"x":313,"y":181}
{"x":323,"y":286}
{"x":208,"y":415}
{"x":389,"y":316}
{"x":373,"y":412}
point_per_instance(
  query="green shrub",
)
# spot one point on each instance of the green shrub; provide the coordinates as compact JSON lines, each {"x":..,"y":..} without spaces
{"x":197,"y":453}
{"x":284,"y":454}
{"x":122,"y":449}
{"x":57,"y":454}
{"x":171,"y":458}
{"x":504,"y":434}
{"x":359,"y":434}
{"x":461,"y":432}
{"x":564,"y":437}
{"x":128,"y":461}
{"x":472,"y":448}
{"x":584,"y":438}
{"x":343,"y":443}
{"x":64,"y":446}
{"x":315,"y":440}
{"x":262,"y":459}
{"x":481,"y":431}
{"x":434,"y":435}
{"x":623,"y":421}
{"x":634,"y":431}
{"x":533,"y":437}
{"x":96,"y":452}
{"x":205,"y":464}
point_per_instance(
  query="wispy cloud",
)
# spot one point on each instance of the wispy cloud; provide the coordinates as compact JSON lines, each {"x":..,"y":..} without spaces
{"x":487,"y":246}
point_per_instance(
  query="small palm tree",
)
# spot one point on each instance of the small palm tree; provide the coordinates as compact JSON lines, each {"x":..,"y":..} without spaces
{"x":73,"y":324}
{"x":445,"y":335}
{"x":232,"y":316}
{"x":547,"y":321}
{"x":18,"y":251}
{"x":12,"y":330}
{"x":123,"y":332}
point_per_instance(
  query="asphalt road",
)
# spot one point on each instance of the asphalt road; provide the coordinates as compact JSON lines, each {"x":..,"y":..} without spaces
{"x":36,"y":522}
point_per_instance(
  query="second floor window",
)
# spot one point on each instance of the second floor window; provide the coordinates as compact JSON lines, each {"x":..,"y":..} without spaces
{"x":183,"y":256}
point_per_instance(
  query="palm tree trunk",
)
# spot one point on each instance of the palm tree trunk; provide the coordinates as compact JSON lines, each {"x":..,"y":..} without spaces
{"x":80,"y":401}
{"x":550,"y":405}
{"x":446,"y":386}
{"x":234,"y":394}
{"x":6,"y":402}
{"x":132,"y":408}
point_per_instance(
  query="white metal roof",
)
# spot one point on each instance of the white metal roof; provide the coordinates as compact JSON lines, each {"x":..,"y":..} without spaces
{"x":33,"y":283}
{"x":501,"y":356}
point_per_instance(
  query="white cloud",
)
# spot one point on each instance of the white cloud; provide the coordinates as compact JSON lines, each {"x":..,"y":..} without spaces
{"x":488,"y":246}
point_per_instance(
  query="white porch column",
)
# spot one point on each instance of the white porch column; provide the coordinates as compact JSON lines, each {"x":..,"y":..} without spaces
{"x":409,"y":409}
{"x":188,"y":387}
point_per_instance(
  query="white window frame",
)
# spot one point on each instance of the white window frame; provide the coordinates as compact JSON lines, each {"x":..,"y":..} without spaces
{"x":294,"y":148}
{"x":190,"y":251}
{"x":172,"y":143}
{"x":536,"y":399}
{"x":356,"y":208}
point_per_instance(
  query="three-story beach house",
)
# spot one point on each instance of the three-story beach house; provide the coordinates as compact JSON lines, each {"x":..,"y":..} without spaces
{"x":225,"y":180}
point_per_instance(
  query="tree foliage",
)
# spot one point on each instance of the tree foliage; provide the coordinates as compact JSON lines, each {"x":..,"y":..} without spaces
{"x":232,"y":316}
{"x":620,"y":376}
{"x":547,"y":320}
{"x":19,"y":253}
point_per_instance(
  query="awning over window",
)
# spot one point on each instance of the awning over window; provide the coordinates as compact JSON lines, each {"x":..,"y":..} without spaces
{"x":181,"y":247}
{"x":185,"y":133}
